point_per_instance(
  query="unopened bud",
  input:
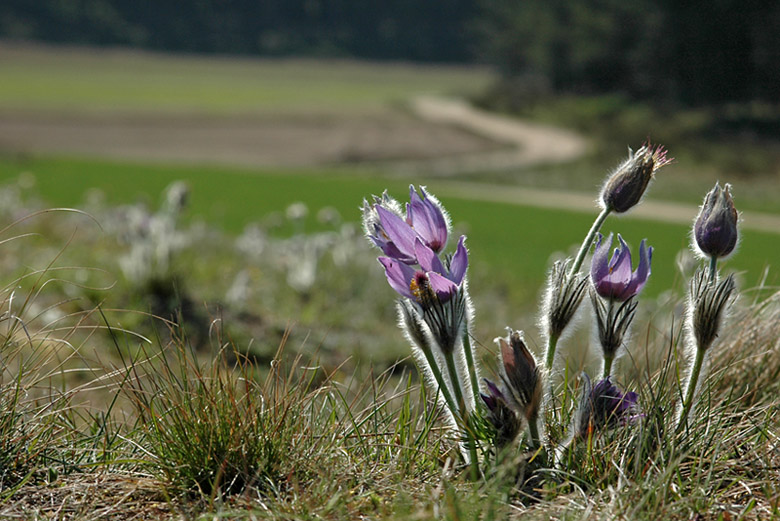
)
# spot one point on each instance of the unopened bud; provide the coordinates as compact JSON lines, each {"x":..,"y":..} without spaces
{"x":715,"y":230}
{"x":626,"y":186}
{"x":520,"y":375}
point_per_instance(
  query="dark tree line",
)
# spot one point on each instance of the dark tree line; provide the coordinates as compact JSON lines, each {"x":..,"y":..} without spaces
{"x":429,"y":30}
{"x":690,"y":52}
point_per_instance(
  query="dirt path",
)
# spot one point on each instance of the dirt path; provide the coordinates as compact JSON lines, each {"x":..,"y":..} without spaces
{"x":443,"y":136}
{"x":529,"y":143}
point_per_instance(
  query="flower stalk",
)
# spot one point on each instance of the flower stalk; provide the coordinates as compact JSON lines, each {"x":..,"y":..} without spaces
{"x":471,"y":366}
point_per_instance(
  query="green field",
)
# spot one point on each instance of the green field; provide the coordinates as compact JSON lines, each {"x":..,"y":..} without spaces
{"x":101,"y":80}
{"x":513,"y":242}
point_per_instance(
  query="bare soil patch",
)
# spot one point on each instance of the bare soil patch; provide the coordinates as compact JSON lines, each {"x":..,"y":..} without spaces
{"x":289,"y":141}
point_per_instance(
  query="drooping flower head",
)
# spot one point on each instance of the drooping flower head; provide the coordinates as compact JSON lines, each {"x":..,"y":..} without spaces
{"x":625,"y":187}
{"x":715,"y":229}
{"x":520,"y":375}
{"x":612,"y":278}
{"x":604,"y":405}
{"x":395,"y":234}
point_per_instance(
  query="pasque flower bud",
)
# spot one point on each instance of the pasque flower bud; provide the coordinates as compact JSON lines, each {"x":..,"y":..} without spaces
{"x":626,"y":186}
{"x":520,"y":375}
{"x":715,"y":230}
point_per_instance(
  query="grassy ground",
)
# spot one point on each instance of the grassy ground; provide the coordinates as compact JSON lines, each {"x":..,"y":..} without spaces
{"x":99,"y":423}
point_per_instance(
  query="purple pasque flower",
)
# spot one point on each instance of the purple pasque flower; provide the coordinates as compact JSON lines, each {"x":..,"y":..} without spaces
{"x":604,"y":405}
{"x":395,"y":235}
{"x":433,"y":278}
{"x":715,"y":229}
{"x":612,"y":278}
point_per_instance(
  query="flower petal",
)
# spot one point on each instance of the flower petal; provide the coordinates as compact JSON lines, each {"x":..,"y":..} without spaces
{"x":438,"y":218}
{"x":427,"y":220}
{"x":599,"y":266}
{"x":443,"y":286}
{"x":620,"y":265}
{"x":399,"y":276}
{"x":459,"y":263}
{"x":642,"y":272}
{"x":427,"y":258}
{"x":397,"y":231}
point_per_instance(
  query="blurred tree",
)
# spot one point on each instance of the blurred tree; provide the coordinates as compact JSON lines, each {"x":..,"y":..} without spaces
{"x":666,"y":49}
{"x":681,"y":51}
{"x":435,"y":30}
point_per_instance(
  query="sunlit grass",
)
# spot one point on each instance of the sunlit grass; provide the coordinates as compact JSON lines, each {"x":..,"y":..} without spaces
{"x":101,"y":423}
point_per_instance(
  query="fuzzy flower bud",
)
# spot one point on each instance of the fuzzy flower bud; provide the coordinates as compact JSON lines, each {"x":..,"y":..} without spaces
{"x":625,"y":187}
{"x":562,"y":298}
{"x":708,"y":302}
{"x":715,"y":229}
{"x":520,"y":375}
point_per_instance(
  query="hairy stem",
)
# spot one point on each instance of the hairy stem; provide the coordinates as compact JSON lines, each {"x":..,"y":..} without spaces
{"x":463,"y":416}
{"x":534,"y":439}
{"x":575,"y":268}
{"x":441,"y":382}
{"x":713,"y":268}
{"x":693,"y":381}
{"x":450,"y":359}
{"x":608,"y":365}
{"x":472,"y":368}
{"x":552,"y":342}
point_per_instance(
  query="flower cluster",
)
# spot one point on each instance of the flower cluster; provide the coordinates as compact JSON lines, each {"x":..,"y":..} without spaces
{"x":435,"y":313}
{"x":434,"y":309}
